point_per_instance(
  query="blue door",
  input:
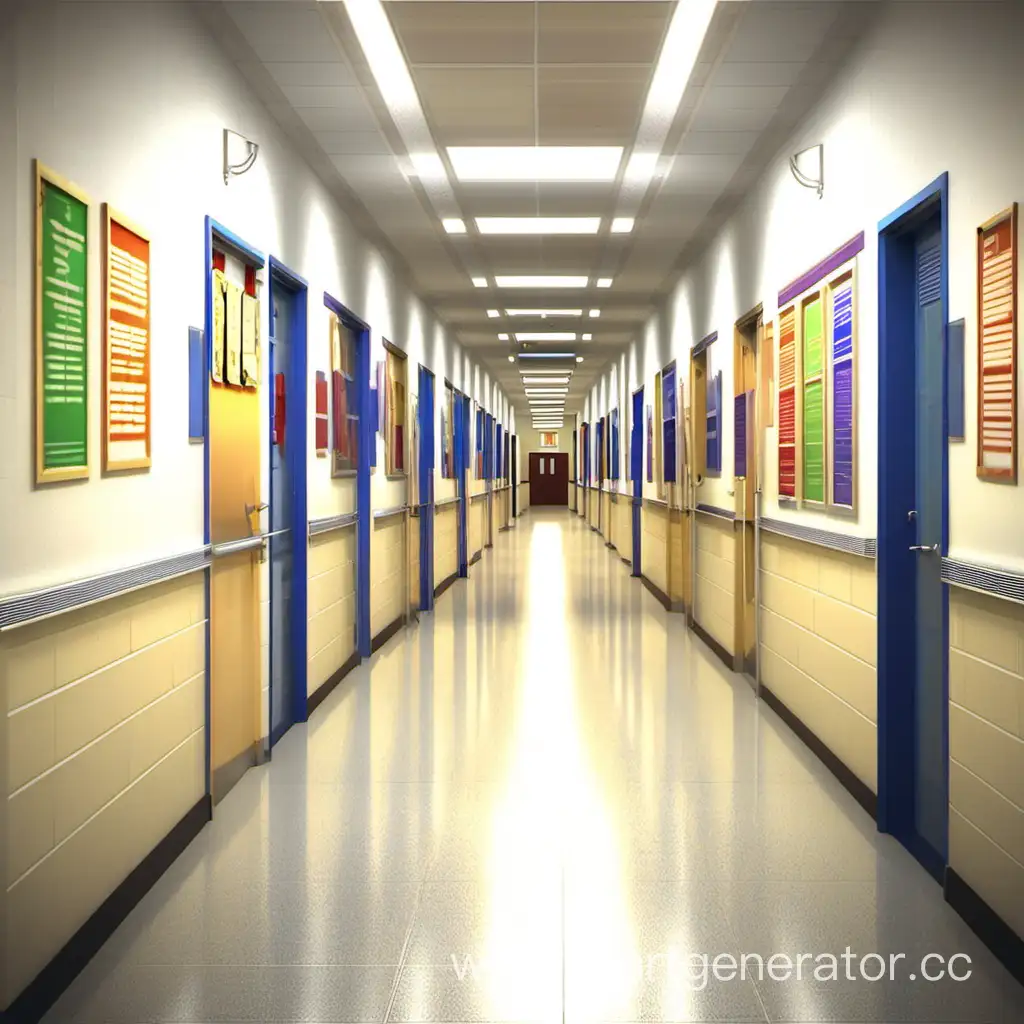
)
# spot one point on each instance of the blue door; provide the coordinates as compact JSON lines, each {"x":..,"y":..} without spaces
{"x":462,"y":414}
{"x":287,"y":513}
{"x":636,"y":461}
{"x":913,"y":638}
{"x":426,"y":496}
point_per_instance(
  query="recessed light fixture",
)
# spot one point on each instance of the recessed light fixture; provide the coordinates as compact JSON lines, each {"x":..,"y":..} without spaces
{"x":479,"y":282}
{"x":541,"y":281}
{"x":493,"y":313}
{"x":544,"y":313}
{"x":538,"y":225}
{"x":588,"y":337}
{"x":502,"y":337}
{"x":545,"y":335}
{"x":454,"y":225}
{"x":604,"y":282}
{"x":579,"y":359}
{"x":594,"y":314}
{"x":622,"y":225}
{"x":535,"y":163}
{"x":511,"y":358}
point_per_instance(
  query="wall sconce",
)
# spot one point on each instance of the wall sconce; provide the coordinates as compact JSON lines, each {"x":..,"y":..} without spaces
{"x":810,"y":155}
{"x":251,"y":151}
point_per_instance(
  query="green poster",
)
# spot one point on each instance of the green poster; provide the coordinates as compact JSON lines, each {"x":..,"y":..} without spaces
{"x":63,"y":248}
{"x":813,"y":336}
{"x":814,"y":442}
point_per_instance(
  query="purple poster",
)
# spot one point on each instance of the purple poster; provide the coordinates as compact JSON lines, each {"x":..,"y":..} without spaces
{"x":842,"y":396}
{"x":740,"y":439}
{"x":650,"y":445}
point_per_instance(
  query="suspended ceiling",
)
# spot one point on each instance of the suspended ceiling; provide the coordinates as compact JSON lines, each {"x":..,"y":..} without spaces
{"x":548,"y":73}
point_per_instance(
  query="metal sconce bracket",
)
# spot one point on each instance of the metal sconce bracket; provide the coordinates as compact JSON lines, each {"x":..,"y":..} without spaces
{"x":252,"y":150}
{"x":818,"y":183}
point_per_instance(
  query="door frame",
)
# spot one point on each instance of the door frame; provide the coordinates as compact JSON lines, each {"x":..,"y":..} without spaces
{"x":366,"y":439}
{"x":636,"y":472}
{"x":426,"y":386}
{"x":281,"y":276}
{"x":896,"y":620}
{"x":459,"y":440}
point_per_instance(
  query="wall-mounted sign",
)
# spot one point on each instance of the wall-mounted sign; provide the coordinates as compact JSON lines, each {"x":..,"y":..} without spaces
{"x":787,"y":403}
{"x":997,"y":348}
{"x":127,"y":394}
{"x":843,"y":391}
{"x":61,"y":329}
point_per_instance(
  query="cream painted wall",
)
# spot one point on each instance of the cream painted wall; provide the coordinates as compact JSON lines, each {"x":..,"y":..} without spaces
{"x":165,"y":173}
{"x":878,"y":154}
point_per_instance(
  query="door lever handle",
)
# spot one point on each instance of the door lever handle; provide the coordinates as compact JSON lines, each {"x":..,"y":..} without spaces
{"x":925,"y":547}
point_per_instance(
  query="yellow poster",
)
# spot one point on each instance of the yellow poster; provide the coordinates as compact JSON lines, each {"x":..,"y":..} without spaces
{"x":233,"y":335}
{"x":250,"y":341}
{"x":217,"y":341}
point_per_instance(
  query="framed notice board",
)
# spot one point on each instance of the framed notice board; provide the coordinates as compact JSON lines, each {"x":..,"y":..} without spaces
{"x":997,"y":348}
{"x":61,"y":329}
{"x":127,"y":391}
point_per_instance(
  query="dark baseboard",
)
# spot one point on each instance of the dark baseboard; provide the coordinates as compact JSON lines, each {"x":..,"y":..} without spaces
{"x":858,"y":790}
{"x":657,"y":592}
{"x":488,"y":545}
{"x":723,"y":655}
{"x":1004,"y":942}
{"x":502,"y":529}
{"x":445,"y":584}
{"x":476,"y":558}
{"x":386,"y":634}
{"x":628,"y":561}
{"x":609,"y":544}
{"x":227,"y":776}
{"x":320,"y":694}
{"x":57,"y":975}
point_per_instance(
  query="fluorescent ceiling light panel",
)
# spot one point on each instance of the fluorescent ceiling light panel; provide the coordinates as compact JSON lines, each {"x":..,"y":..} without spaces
{"x":547,"y":355}
{"x":541,"y":379}
{"x":622,"y":225}
{"x":493,"y":313}
{"x":540,"y":281}
{"x":502,"y":337}
{"x":544,"y":313}
{"x":604,"y":282}
{"x":479,"y":282}
{"x":588,"y":337}
{"x":545,"y":335}
{"x":547,"y":391}
{"x":594,"y":314}
{"x":454,"y":225}
{"x":541,"y":370}
{"x":538,"y":225}
{"x":535,"y":163}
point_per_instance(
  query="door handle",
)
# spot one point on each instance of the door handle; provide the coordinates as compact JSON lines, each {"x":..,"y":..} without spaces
{"x":933,"y":548}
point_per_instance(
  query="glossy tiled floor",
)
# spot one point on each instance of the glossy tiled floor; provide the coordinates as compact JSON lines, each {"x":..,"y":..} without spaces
{"x":550,"y":776}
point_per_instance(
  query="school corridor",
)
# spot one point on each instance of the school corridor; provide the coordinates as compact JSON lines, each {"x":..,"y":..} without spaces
{"x":538,"y":805}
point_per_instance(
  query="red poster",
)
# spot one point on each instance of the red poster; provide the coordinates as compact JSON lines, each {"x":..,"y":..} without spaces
{"x":126,"y":380}
{"x":787,"y":403}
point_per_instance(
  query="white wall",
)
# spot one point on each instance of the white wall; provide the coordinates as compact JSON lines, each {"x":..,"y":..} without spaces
{"x":153,"y":150}
{"x":919,"y":97}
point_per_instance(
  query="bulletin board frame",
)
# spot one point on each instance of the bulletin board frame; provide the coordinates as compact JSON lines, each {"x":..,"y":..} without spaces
{"x":45,"y":178}
{"x":1007,"y":475}
{"x":110,"y":217}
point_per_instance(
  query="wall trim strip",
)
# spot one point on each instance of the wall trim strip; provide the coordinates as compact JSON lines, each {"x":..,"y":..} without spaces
{"x":329,"y":523}
{"x":714,"y":510}
{"x":699,"y":347}
{"x":821,"y":270}
{"x":388,"y":513}
{"x":1007,"y":584}
{"x":19,"y":609}
{"x":42,"y":992}
{"x":866,"y":547}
